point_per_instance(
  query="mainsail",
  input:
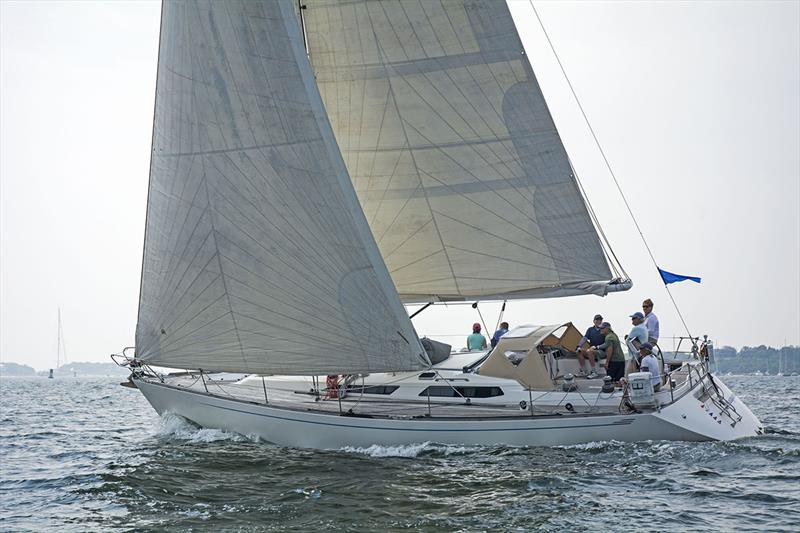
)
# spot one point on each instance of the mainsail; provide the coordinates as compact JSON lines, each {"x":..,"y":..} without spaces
{"x":452,"y":150}
{"x":257,"y":256}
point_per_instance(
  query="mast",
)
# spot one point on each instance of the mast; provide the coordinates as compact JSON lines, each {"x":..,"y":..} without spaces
{"x":300,"y":7}
{"x":58,"y":346}
{"x":61,"y":348}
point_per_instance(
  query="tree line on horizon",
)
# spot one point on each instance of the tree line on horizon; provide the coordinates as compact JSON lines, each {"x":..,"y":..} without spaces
{"x":69,"y":369}
{"x":748,"y":360}
{"x":761,"y":358}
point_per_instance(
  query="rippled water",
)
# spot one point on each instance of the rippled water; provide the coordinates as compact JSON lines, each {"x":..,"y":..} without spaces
{"x":80,"y":454}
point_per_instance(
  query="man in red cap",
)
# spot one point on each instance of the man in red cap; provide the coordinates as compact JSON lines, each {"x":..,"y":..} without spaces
{"x":476,"y":341}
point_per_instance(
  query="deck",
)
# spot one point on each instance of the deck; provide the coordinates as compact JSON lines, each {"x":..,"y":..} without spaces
{"x":589,"y":401}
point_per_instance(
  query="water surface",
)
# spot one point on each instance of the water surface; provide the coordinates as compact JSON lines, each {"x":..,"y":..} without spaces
{"x":79,"y":454}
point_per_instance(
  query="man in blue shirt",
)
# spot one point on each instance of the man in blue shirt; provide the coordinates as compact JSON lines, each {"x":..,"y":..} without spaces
{"x":596,"y":342}
{"x":499,"y":333}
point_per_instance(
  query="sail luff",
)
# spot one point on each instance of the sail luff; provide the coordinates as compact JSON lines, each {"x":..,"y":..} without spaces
{"x":354,"y":207}
{"x":150,"y":173}
{"x":257,"y":255}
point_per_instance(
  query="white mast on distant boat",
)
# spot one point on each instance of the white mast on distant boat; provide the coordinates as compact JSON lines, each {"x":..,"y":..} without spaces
{"x":60,"y":346}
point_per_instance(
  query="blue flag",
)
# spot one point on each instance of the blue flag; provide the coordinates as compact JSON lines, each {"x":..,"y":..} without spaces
{"x":669,"y":277}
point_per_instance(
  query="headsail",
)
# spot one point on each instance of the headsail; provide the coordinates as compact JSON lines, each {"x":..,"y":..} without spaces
{"x":257,"y":255}
{"x":452,"y":150}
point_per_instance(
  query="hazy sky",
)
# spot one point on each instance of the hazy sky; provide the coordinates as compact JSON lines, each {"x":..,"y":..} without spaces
{"x":697,"y":105}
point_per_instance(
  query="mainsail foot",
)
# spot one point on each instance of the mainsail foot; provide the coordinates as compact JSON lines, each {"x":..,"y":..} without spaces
{"x":619,"y":285}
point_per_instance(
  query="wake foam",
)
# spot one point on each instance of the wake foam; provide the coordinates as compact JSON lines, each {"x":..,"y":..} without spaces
{"x":176,"y":427}
{"x":308,"y":492}
{"x":408,"y":450}
{"x":594,"y":446}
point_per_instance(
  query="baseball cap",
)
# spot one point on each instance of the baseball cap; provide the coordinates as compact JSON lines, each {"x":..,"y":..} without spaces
{"x":637,"y":314}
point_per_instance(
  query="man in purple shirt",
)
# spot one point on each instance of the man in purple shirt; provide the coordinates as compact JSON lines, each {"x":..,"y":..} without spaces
{"x":650,"y":321}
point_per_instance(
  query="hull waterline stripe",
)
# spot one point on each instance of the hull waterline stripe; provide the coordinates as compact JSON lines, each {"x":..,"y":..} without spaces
{"x":624,"y":422}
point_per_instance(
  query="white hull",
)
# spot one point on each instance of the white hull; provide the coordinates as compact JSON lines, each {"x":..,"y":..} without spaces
{"x":687,"y":419}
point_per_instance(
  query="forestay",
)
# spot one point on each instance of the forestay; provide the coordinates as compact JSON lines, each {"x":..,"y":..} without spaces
{"x":452,"y":150}
{"x":257,"y":255}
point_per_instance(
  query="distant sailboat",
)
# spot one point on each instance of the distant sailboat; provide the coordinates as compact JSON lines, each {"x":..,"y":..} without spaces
{"x":315,"y":167}
{"x":61,"y":349}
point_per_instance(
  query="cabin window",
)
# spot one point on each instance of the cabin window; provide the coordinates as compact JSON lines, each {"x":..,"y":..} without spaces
{"x":373,"y":389}
{"x":516,"y":356}
{"x":466,"y":392}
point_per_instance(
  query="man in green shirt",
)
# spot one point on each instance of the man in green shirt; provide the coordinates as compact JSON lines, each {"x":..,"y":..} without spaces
{"x":476,"y":341}
{"x":615,"y":358}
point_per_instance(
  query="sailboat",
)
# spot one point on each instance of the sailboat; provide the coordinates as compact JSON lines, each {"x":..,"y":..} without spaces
{"x":315,"y":167}
{"x":60,"y":347}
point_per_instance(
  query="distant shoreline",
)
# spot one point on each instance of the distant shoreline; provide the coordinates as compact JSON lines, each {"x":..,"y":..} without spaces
{"x":85,"y":369}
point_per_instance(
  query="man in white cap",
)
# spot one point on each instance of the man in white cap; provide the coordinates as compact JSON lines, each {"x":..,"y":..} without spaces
{"x":649,"y":363}
{"x":634,"y":340}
